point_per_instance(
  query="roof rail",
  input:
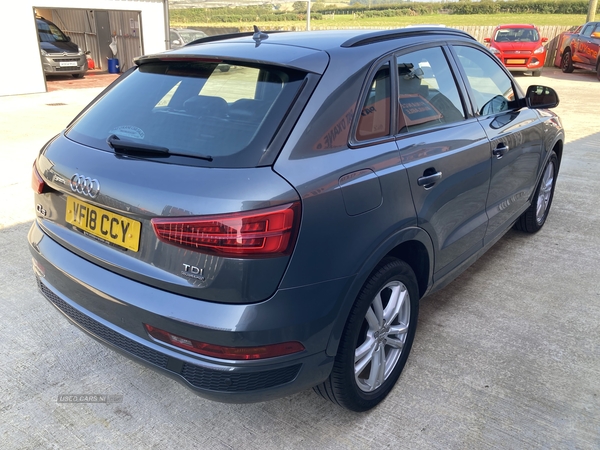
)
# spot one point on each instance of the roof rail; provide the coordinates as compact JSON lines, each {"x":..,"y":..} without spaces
{"x":386,"y":35}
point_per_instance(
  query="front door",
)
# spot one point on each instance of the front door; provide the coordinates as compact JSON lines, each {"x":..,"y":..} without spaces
{"x":515,"y":137}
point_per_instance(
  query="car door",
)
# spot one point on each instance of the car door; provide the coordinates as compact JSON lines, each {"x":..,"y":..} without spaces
{"x":515,"y":134}
{"x":446,"y":153}
{"x":579,"y":55}
{"x":587,"y":46}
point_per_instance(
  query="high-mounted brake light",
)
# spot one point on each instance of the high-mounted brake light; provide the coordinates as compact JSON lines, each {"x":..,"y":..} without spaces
{"x":219,"y":351}
{"x":37,"y":182}
{"x":259,"y":233}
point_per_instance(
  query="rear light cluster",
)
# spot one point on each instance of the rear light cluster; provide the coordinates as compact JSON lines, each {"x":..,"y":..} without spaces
{"x":219,"y":351}
{"x":258,"y":233}
{"x":37,"y":182}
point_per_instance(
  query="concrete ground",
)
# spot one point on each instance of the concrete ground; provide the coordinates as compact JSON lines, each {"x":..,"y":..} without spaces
{"x":507,"y":356}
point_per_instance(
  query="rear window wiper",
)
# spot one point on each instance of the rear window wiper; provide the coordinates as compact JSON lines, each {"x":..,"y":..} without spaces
{"x":122,"y":147}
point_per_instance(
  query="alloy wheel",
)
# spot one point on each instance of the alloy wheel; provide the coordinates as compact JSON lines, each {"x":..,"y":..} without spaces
{"x":383,"y":335}
{"x":545,"y":193}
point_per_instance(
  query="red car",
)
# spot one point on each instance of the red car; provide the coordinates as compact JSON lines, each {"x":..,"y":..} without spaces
{"x":519,"y":47}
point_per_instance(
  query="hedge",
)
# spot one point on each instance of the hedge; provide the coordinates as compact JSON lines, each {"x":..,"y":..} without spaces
{"x":268,"y":14}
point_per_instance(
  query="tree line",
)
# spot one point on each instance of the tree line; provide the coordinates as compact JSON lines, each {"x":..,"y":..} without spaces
{"x":375,"y":8}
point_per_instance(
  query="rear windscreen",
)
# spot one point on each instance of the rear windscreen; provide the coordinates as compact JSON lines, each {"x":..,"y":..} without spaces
{"x":227,"y":111}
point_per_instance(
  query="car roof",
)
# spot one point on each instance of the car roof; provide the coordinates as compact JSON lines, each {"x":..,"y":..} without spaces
{"x":523,"y":25}
{"x":331,"y":39}
{"x":303,"y":50}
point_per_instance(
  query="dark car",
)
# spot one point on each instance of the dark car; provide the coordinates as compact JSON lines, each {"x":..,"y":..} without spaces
{"x":181,"y":36}
{"x":60,"y":55}
{"x":263,"y":231}
{"x":519,"y":47}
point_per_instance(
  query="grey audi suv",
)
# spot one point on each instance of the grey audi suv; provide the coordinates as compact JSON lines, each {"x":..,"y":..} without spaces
{"x":270,"y":229}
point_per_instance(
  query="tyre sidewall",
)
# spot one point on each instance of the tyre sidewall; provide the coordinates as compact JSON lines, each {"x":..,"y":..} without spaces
{"x":566,"y":64}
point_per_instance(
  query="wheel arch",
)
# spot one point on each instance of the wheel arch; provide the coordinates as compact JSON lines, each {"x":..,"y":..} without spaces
{"x":415,"y":254}
{"x":558,"y":149}
{"x":413,"y":246}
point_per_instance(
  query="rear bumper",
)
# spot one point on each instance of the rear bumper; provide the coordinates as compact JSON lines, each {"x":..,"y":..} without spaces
{"x":113,"y":309}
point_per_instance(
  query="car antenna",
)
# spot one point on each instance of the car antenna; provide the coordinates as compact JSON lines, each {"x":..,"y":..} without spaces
{"x":259,"y":36}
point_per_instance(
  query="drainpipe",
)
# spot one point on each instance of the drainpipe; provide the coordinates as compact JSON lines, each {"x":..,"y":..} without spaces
{"x":167,"y":24}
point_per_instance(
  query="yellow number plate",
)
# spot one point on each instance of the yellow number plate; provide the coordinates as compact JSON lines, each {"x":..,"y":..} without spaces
{"x":515,"y":61}
{"x":106,"y":225}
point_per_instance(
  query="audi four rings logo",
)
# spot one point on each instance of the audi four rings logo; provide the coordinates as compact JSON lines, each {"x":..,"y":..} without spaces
{"x":85,"y":185}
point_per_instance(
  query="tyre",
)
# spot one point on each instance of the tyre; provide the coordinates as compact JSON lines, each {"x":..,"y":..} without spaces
{"x":566,"y":63}
{"x":376,"y":340}
{"x":536,"y":73}
{"x":534,"y":218}
{"x":598,"y":71}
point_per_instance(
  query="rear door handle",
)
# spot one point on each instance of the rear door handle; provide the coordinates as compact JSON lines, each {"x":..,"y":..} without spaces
{"x":500,"y":151}
{"x":429,"y":180}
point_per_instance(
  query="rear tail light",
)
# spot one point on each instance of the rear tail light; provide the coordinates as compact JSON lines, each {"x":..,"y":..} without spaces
{"x":258,"y":233}
{"x":37,"y":182}
{"x":219,"y":351}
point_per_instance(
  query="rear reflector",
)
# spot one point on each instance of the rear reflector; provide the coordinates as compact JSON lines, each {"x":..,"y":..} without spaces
{"x":37,"y":182}
{"x":219,"y":351}
{"x":258,"y":233}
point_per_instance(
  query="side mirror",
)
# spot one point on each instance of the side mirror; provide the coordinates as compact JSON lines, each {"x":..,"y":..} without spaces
{"x":596,"y":34}
{"x":176,"y":42}
{"x":544,"y":40}
{"x":541,"y":97}
{"x":487,"y":40}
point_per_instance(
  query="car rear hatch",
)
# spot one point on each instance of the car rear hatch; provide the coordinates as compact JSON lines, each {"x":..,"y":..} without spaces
{"x":167,"y":178}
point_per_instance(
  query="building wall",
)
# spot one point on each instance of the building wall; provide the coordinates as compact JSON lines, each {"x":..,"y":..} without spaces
{"x":21,"y":71}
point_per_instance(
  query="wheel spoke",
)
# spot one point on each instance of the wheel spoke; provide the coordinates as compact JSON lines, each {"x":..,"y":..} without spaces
{"x":395,"y":304}
{"x":395,"y":343}
{"x":540,"y":207}
{"x":377,"y":375}
{"x":371,"y":319}
{"x":401,"y":328}
{"x":363,"y":355}
{"x":377,"y":306}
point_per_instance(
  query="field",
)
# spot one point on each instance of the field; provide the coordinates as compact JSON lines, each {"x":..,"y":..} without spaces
{"x":350,"y":21}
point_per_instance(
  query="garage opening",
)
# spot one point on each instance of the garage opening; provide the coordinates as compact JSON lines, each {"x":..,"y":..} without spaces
{"x":105,"y":36}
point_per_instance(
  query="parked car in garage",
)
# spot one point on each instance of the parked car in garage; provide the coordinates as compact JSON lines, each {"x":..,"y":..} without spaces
{"x":181,"y":36}
{"x":519,"y":47}
{"x":272,"y":230}
{"x":60,"y":55}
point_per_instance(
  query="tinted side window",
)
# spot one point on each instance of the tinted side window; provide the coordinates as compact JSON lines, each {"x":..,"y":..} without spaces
{"x":374,"y":119}
{"x":587,"y":31}
{"x":427,"y":92}
{"x":492,"y":88}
